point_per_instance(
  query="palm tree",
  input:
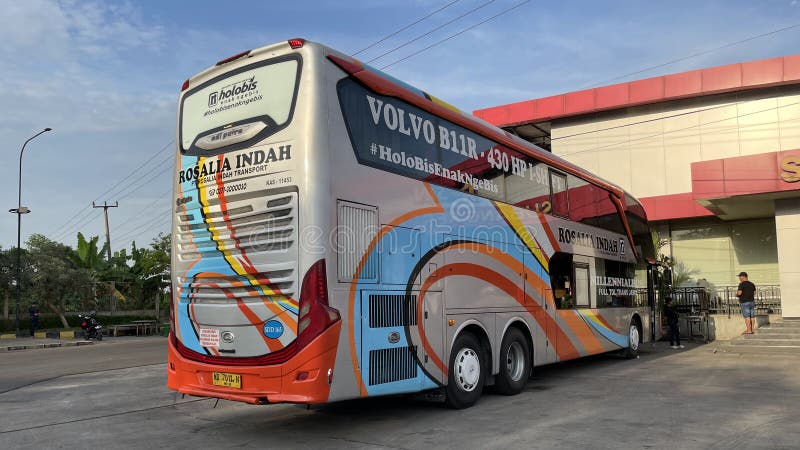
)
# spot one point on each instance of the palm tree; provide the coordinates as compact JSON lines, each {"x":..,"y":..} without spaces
{"x":87,"y":256}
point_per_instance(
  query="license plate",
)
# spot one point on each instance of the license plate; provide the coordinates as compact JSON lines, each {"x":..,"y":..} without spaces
{"x":233,"y":380}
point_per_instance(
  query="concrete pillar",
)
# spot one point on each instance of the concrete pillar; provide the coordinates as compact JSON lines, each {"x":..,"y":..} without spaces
{"x":787,"y":231}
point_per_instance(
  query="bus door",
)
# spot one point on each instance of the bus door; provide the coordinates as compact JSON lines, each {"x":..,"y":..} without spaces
{"x":543,"y":310}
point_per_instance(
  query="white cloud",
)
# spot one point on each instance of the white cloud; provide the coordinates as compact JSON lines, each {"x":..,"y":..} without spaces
{"x":65,"y":66}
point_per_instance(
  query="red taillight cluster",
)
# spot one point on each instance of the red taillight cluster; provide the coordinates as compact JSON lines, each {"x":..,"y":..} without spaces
{"x":296,"y":43}
{"x":84,"y":324}
{"x":315,"y":314}
{"x":185,"y":85}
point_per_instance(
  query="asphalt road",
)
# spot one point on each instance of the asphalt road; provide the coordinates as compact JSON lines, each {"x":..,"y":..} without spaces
{"x":113,"y":394}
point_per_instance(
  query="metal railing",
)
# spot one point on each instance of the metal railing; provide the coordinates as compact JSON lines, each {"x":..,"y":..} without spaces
{"x":723,"y":300}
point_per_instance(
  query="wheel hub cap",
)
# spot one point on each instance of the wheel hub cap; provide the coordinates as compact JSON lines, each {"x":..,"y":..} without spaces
{"x":515,"y":361}
{"x":634,"y":337}
{"x":468,"y":369}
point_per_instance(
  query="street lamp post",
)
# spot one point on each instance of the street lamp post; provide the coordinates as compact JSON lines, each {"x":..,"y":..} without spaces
{"x":19,"y":211}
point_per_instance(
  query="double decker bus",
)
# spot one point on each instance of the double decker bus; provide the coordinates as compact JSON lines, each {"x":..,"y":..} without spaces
{"x":339,"y":234}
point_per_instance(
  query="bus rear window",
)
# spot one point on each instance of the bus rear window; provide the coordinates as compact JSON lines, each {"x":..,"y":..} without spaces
{"x":251,"y":102}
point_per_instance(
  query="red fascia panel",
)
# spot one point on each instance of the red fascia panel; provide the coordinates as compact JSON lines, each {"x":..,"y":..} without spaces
{"x":674,"y":206}
{"x":741,"y":175}
{"x":708,"y":179}
{"x":579,"y":101}
{"x":647,"y":90}
{"x":791,"y":68}
{"x":494,"y":115}
{"x":766,"y":72}
{"x":614,"y":96}
{"x":550,"y":107}
{"x":696,"y":83}
{"x":519,"y":112}
{"x":684,"y":84}
{"x":722,"y":78}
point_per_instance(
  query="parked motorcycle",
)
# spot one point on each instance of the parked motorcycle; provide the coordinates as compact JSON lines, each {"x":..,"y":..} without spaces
{"x":91,"y":327}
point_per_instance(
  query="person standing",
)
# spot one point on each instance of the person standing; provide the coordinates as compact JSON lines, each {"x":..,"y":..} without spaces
{"x":747,"y":301}
{"x":671,"y":313}
{"x":33,"y":317}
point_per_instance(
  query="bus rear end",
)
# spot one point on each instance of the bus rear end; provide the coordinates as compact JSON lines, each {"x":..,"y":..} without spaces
{"x":250,"y":315}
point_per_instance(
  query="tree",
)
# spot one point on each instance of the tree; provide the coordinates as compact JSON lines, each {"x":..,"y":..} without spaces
{"x":55,"y":279}
{"x":88,"y":257}
{"x":151,"y":267}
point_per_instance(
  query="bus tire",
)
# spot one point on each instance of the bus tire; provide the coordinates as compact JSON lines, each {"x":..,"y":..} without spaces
{"x":467,"y":372}
{"x":515,"y":363}
{"x":634,"y":339}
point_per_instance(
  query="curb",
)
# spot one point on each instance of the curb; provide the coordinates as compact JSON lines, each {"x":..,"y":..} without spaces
{"x":8,"y":344}
{"x":67,"y":334}
{"x":12,"y":348}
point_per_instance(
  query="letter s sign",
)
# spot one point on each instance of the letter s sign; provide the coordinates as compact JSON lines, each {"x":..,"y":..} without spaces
{"x":790,"y":169}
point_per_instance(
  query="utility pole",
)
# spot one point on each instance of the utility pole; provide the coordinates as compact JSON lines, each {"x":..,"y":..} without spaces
{"x":105,"y":206}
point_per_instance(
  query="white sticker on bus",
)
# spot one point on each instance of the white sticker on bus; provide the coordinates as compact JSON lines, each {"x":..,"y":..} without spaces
{"x":209,"y":337}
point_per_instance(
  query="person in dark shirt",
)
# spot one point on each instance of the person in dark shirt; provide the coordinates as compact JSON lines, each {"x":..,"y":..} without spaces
{"x":33,"y":317}
{"x":671,"y":313}
{"x":747,"y":301}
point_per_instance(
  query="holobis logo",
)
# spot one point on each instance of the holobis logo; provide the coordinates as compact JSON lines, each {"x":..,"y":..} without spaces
{"x":230,"y":91}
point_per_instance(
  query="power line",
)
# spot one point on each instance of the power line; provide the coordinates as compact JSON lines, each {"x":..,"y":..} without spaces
{"x":87,"y":220}
{"x":61,"y":227}
{"x":143,"y":184}
{"x":148,"y":224}
{"x":145,"y":208}
{"x":694,"y":55}
{"x":131,"y":187}
{"x":432,"y":31}
{"x":457,"y":34}
{"x":136,"y":170}
{"x":138,"y":180}
{"x":405,"y":27}
{"x":87,"y":207}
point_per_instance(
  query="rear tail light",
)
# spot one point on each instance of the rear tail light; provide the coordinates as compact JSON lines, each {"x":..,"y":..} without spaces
{"x":185,"y":85}
{"x":315,"y":314}
{"x":83,"y":324}
{"x":233,"y":58}
{"x":296,"y":43}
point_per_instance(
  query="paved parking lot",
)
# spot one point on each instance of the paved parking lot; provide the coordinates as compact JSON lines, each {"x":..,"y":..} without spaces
{"x":693,"y":398}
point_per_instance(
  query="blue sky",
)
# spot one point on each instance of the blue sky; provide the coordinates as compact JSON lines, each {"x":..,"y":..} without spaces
{"x":106,"y":76}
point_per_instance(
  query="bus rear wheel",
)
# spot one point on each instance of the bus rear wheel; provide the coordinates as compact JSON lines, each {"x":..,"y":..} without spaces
{"x":515,"y":365}
{"x":467,"y":372}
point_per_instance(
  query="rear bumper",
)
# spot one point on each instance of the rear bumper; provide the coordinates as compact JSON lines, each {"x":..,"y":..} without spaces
{"x":275,"y":383}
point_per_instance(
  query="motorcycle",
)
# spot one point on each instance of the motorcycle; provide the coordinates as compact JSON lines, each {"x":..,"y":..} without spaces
{"x":91,"y":327}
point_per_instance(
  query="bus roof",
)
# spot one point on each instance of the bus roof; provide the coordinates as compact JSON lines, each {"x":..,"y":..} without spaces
{"x":388,"y":85}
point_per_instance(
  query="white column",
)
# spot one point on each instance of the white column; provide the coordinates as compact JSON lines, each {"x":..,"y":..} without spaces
{"x":787,"y":230}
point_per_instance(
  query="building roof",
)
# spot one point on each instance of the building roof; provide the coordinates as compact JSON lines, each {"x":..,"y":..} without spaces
{"x":696,"y":83}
